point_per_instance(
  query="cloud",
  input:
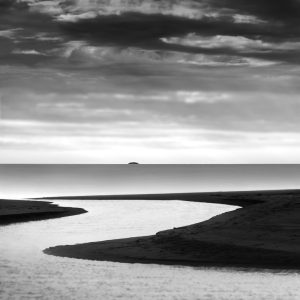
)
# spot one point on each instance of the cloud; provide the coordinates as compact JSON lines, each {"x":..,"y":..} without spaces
{"x":9,"y":33}
{"x":230,"y":28}
{"x":238,"y":18}
{"x":27,"y":52}
{"x":76,"y":10}
{"x":191,"y":97}
{"x":220,"y":111}
{"x":45,"y":7}
{"x":219,"y":41}
{"x":149,"y":143}
{"x":283,"y":10}
{"x":76,"y":17}
{"x":80,"y":53}
{"x":216,"y":35}
{"x":159,"y":75}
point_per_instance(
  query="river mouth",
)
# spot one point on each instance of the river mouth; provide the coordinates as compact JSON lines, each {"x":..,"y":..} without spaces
{"x":107,"y":219}
{"x":27,"y":273}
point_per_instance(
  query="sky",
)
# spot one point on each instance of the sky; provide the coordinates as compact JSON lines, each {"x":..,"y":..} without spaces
{"x":154,"y":81}
{"x":22,"y":181}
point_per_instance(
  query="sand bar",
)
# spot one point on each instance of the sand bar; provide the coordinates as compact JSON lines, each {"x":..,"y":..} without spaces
{"x":265,"y":234}
{"x":13,"y":211}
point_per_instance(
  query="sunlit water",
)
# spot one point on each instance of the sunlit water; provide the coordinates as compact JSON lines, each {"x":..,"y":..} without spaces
{"x":27,"y":273}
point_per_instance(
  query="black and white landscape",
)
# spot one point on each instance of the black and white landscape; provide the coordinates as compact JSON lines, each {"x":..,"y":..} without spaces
{"x":149,"y":149}
{"x":150,"y":231}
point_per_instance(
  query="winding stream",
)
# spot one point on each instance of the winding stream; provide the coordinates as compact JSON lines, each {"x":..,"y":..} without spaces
{"x":27,"y":273}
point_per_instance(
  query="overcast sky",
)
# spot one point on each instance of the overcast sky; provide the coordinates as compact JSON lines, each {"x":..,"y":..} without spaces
{"x":55,"y":180}
{"x":170,"y":81}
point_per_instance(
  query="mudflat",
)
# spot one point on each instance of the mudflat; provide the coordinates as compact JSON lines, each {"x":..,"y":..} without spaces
{"x":265,"y":234}
{"x":13,"y":211}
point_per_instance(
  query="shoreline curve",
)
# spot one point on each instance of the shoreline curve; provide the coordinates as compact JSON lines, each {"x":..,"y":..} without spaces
{"x":262,"y":235}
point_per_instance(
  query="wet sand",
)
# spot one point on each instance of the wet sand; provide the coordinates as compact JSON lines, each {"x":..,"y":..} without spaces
{"x":265,"y":234}
{"x":14,"y":211}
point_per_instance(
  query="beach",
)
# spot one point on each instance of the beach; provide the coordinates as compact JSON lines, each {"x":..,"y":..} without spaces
{"x":265,"y":234}
{"x":13,"y":211}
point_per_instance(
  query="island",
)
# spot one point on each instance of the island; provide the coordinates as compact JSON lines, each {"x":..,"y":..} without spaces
{"x":263,"y":233}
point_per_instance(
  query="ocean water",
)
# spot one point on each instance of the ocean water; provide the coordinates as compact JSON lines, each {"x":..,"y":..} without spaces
{"x":27,"y":273}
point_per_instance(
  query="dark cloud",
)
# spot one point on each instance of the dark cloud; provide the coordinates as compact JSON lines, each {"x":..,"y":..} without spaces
{"x":140,"y":29}
{"x":280,"y":23}
{"x":17,"y":15}
{"x":145,"y":31}
{"x":281,"y":17}
{"x":230,"y":70}
{"x":23,"y":46}
{"x":279,"y":10}
{"x":9,"y":5}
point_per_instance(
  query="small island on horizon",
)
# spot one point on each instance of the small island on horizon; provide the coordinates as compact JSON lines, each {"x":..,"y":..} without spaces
{"x":263,"y":233}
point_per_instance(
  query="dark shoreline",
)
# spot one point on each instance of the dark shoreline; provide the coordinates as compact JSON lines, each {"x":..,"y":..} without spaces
{"x":263,"y":235}
{"x":15,"y":211}
{"x":272,"y":259}
{"x":237,"y":198}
